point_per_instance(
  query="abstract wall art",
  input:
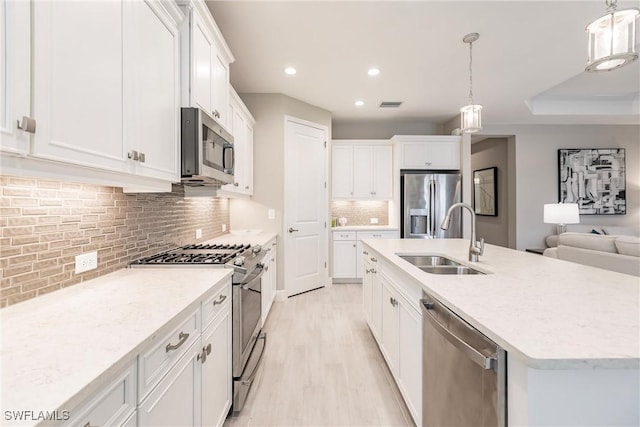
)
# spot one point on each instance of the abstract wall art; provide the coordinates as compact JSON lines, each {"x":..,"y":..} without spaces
{"x":594,"y":179}
{"x":485,"y":191}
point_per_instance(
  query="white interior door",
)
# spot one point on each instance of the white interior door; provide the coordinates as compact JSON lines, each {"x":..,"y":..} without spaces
{"x":306,"y":206}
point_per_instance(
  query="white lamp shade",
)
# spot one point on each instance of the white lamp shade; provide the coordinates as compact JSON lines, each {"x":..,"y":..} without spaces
{"x":561,"y":213}
{"x":613,"y":40}
{"x":471,"y":118}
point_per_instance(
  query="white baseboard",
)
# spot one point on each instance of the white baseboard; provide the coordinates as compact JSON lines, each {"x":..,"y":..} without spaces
{"x":281,"y":295}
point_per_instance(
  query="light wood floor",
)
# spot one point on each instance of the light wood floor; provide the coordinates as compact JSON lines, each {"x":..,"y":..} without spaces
{"x":322,"y":367}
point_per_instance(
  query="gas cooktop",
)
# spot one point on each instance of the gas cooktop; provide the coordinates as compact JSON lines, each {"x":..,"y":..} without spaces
{"x":196,"y":254}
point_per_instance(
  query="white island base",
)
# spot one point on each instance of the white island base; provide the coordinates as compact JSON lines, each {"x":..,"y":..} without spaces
{"x":571,"y":332}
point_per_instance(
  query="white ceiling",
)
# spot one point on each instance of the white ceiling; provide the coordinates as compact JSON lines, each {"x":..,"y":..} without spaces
{"x":530,"y":53}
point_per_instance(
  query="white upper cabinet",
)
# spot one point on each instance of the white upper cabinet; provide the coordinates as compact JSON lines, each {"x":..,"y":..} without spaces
{"x":15,"y":69}
{"x":241,"y":125}
{"x":428,"y":152}
{"x":205,"y":63}
{"x":362,"y":170}
{"x":78,"y":83}
{"x":103,"y":82}
{"x":342,"y":171}
{"x":151,"y":83}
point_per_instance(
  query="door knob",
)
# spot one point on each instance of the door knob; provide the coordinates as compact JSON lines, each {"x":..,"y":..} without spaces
{"x":291,"y":229}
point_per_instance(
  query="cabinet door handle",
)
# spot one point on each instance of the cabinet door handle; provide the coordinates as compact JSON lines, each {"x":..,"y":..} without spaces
{"x":377,"y":235}
{"x":266,"y":268}
{"x":365,"y":253}
{"x":202,"y":356}
{"x":373,"y":271}
{"x":141,"y":158}
{"x":374,"y":259}
{"x":235,"y":184}
{"x":291,"y":229}
{"x":133,"y":155}
{"x":28,"y":124}
{"x":220,"y":300}
{"x":246,"y":187}
{"x":207,"y":349}
{"x":183,"y":336}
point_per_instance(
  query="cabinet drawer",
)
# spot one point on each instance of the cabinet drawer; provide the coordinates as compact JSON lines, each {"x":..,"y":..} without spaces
{"x":156,"y":362}
{"x":362,"y":235}
{"x":112,"y":405}
{"x":212,"y":306}
{"x":344,"y":235}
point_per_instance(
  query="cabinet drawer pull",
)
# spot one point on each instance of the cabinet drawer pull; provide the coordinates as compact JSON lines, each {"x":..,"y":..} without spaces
{"x":365,"y":253}
{"x":28,"y":124}
{"x":183,"y":338}
{"x":220,"y":300}
{"x":377,"y":235}
{"x":374,"y":259}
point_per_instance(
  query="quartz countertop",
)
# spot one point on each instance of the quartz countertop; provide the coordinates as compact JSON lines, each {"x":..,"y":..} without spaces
{"x":553,"y":314}
{"x":58,"y":349}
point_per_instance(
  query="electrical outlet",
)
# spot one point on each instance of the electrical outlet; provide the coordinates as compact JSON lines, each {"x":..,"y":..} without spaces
{"x":271,"y":214}
{"x":374,"y":220}
{"x":224,"y":227}
{"x":199,"y":233}
{"x":86,"y":262}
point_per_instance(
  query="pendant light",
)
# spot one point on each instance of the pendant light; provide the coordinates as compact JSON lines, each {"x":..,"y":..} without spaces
{"x":613,"y":39}
{"x":471,"y":115}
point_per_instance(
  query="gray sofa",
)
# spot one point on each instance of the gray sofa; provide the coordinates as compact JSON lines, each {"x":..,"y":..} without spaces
{"x":611,"y":252}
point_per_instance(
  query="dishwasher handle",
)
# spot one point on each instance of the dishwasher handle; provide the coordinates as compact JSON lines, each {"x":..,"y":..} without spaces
{"x":472,"y":353}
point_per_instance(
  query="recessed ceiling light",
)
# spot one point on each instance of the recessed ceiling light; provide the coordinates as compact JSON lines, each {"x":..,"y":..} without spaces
{"x":359,"y":103}
{"x":290,"y":71}
{"x":373,"y":71}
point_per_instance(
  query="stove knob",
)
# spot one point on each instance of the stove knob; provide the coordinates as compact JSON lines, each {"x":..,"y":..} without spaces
{"x":238,"y":261}
{"x":256,"y":249}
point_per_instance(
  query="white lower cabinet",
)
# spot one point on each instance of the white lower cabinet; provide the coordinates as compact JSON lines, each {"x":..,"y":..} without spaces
{"x":183,"y":379}
{"x":348,"y":252}
{"x":114,"y":405}
{"x":176,"y":400}
{"x":269,"y":278}
{"x":216,"y":371}
{"x":396,"y":324}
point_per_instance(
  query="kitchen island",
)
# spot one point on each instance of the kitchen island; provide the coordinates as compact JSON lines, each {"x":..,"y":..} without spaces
{"x":571,"y":332}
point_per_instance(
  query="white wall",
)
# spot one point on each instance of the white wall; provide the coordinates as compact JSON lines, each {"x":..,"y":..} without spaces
{"x":536,"y":160}
{"x":268,"y":174}
{"x":493,"y":152}
{"x":382,"y":129}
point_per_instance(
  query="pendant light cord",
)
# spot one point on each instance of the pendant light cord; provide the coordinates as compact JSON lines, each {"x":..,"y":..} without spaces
{"x":612,"y":5}
{"x":470,"y":74}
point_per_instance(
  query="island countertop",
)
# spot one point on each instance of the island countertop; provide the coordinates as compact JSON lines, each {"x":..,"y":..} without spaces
{"x":59,"y":349}
{"x":553,"y":314}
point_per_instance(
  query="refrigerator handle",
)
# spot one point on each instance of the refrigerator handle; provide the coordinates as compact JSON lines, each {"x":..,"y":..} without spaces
{"x":432,"y":203}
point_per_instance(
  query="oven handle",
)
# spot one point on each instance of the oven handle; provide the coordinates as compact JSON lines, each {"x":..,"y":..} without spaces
{"x":249,"y":380}
{"x":255,"y":275}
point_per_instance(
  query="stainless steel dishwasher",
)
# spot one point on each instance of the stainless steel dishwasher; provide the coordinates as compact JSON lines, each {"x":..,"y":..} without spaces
{"x":463,"y":372}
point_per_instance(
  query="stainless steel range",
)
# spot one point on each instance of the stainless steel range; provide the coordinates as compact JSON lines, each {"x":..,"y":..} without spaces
{"x":248,"y":340}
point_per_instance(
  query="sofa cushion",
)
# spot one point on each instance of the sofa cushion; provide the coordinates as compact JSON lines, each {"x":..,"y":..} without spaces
{"x":628,"y":245}
{"x":621,"y":231}
{"x":594,"y":242}
{"x":608,"y":261}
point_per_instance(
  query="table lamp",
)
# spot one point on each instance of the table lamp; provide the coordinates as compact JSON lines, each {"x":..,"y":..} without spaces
{"x":561,"y":214}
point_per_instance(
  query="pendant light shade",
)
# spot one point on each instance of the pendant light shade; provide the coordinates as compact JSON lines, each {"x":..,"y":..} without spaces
{"x":613,"y":39}
{"x":471,"y":115}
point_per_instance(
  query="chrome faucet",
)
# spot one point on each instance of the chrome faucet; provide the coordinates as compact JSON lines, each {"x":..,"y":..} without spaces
{"x":475,"y":248}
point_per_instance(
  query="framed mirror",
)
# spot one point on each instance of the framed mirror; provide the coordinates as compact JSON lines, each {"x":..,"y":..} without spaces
{"x":485,"y":191}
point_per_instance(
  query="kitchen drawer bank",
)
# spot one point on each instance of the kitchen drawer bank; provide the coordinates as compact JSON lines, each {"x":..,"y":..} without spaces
{"x":77,"y":352}
{"x":571,"y":332}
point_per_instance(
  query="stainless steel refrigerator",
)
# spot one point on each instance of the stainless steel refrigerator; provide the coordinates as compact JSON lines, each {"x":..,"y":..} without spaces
{"x":425,"y":199}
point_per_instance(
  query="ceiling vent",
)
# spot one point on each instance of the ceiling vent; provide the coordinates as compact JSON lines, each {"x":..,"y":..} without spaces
{"x":390,"y":104}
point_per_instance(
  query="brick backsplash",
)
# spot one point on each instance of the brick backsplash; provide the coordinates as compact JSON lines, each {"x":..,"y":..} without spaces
{"x":360,"y":212}
{"x":46,"y":223}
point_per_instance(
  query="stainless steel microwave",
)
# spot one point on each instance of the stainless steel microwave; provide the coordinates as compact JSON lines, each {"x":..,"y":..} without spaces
{"x":207,"y":150}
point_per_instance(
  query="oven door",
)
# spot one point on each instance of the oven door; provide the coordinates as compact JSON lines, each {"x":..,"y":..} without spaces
{"x":247,"y":317}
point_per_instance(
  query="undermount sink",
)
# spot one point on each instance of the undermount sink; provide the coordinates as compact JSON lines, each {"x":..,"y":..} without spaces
{"x":450,"y":269}
{"x":436,"y":264}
